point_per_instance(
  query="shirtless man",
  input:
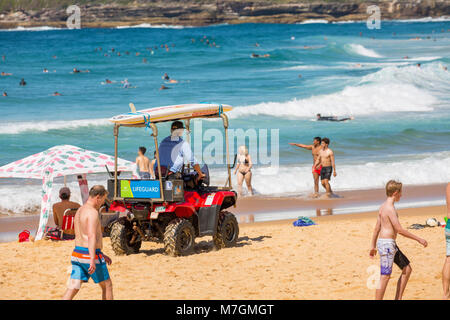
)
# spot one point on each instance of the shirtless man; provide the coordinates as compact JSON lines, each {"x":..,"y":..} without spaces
{"x":315,"y":148}
{"x":60,"y":207}
{"x":88,"y":261}
{"x":386,"y":230}
{"x":446,"y":268}
{"x":325,"y":160}
{"x":143,"y":163}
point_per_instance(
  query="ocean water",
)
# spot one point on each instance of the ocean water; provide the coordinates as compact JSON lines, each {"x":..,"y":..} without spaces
{"x":402,"y":112}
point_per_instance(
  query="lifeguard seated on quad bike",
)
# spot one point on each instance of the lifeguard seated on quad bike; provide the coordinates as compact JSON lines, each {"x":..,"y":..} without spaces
{"x":172,"y":152}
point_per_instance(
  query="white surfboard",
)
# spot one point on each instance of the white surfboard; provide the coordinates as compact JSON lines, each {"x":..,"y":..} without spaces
{"x":167,"y":113}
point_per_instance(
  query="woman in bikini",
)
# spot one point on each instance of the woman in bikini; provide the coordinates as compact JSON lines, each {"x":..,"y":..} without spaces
{"x":243,"y":170}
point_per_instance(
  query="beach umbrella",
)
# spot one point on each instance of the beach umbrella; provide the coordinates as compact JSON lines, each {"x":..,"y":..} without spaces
{"x":60,"y":161}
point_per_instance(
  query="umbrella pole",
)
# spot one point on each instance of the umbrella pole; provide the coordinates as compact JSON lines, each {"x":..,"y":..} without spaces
{"x":65,"y":181}
{"x":116,"y":137}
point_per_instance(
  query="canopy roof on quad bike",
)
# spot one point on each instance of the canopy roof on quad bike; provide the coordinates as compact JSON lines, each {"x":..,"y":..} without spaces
{"x":169,"y":113}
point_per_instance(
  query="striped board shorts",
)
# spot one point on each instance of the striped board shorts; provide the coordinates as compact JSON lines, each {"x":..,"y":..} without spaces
{"x":80,"y":265}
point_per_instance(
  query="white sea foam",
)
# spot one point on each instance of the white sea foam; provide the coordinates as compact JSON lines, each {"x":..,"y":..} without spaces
{"x":42,"y":126}
{"x":312,"y":21}
{"x":427,"y":19}
{"x":43,"y":28}
{"x":358,"y":100}
{"x":431,"y":76}
{"x":414,"y":170}
{"x":361,"y":50}
{"x":153,"y":26}
{"x":391,"y":89}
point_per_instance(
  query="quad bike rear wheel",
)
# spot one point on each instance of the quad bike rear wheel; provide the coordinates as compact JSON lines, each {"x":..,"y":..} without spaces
{"x":227,"y":231}
{"x":120,"y":240}
{"x":179,"y":238}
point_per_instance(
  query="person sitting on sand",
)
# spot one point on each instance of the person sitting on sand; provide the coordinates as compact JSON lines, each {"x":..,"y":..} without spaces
{"x":386,"y":230}
{"x":60,"y":207}
{"x":315,"y":147}
{"x":446,"y":268}
{"x":243,"y":167}
{"x":143,"y":163}
{"x":325,"y":160}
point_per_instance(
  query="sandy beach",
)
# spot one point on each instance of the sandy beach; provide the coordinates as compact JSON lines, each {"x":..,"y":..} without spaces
{"x":273,"y":260}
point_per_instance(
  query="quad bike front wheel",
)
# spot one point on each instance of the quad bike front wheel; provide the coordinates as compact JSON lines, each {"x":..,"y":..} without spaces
{"x":227,"y":231}
{"x":179,"y":238}
{"x":121,"y":240}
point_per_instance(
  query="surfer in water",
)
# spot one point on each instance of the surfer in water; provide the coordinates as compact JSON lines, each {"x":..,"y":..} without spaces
{"x":126,"y":84}
{"x":332,"y":118}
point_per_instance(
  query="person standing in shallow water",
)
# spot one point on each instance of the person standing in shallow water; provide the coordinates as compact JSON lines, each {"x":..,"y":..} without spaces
{"x":315,"y":148}
{"x":326,"y":161}
{"x":243,"y":170}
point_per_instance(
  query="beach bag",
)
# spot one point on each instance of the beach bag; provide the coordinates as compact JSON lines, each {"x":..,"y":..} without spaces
{"x":24,"y":236}
{"x":52,"y":233}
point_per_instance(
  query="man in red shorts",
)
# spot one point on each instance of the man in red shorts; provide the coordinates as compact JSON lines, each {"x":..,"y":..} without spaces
{"x":315,"y":149}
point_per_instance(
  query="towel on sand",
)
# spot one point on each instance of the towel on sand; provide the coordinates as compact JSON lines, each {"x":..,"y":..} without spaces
{"x":303,"y":222}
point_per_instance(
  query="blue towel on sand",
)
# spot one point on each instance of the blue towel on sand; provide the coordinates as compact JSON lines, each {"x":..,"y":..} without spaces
{"x":303,"y":222}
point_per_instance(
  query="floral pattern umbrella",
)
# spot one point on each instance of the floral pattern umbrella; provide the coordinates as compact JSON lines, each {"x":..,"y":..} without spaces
{"x":59,"y":161}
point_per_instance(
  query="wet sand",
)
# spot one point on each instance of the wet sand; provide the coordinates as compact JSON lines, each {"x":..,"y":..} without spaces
{"x":263,"y":208}
{"x":272,"y":260}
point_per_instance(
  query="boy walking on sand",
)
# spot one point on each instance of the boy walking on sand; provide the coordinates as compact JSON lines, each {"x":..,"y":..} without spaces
{"x":386,"y":230}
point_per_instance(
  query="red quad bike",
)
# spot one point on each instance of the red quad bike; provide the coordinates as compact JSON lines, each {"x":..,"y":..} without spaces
{"x":173,"y":211}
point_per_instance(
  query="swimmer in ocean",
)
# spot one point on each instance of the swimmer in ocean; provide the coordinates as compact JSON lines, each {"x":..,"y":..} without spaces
{"x":332,"y":118}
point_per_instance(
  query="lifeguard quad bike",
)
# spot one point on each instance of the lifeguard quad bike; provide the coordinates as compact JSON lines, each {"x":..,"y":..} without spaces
{"x":174,"y":211}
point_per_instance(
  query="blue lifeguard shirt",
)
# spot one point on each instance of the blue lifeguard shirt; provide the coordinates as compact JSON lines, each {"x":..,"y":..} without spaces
{"x":172,"y":152}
